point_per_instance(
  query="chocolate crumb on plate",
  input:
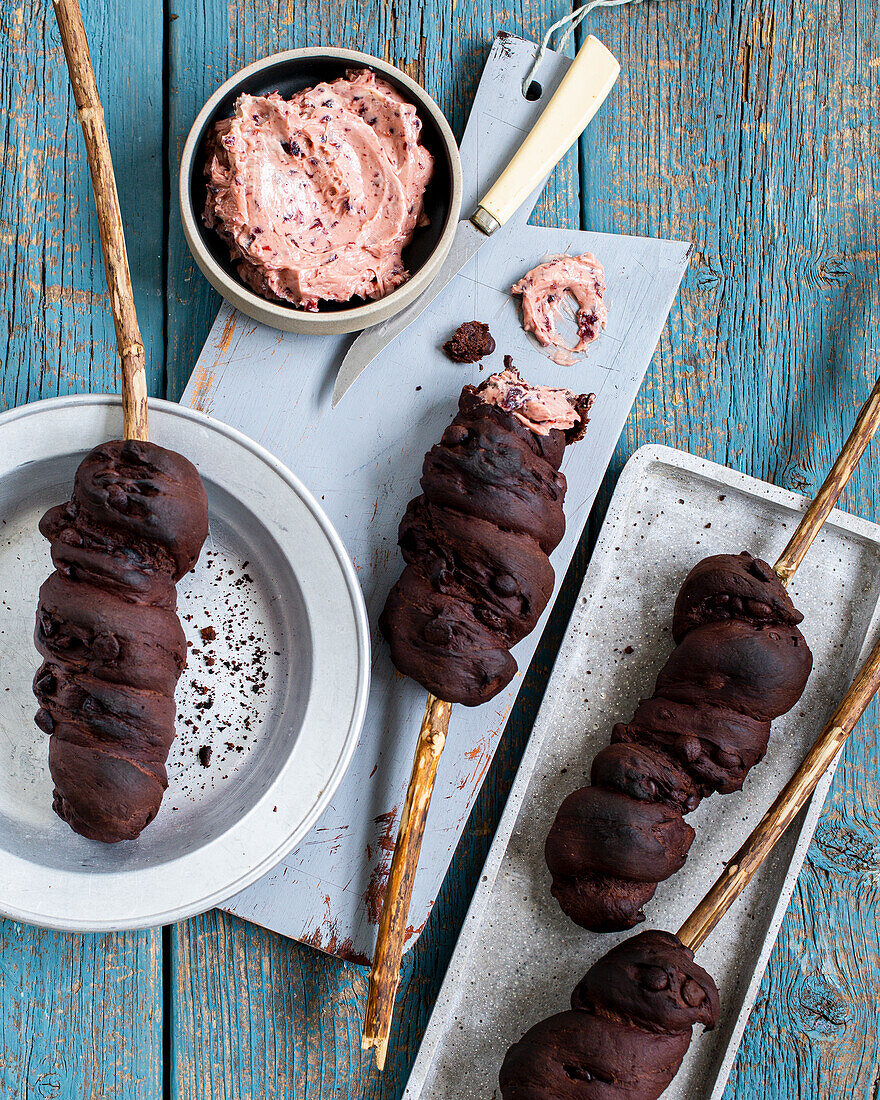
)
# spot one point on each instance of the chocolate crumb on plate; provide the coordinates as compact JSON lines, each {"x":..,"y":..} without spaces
{"x":205,"y":755}
{"x":469,"y":343}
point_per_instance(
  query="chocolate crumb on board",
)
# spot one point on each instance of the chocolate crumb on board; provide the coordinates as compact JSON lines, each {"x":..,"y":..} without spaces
{"x":205,"y":755}
{"x":469,"y":343}
{"x":208,"y":633}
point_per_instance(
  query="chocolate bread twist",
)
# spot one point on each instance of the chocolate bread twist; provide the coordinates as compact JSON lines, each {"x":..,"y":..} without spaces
{"x":739,"y":662}
{"x":112,"y":644}
{"x":476,"y":545}
{"x":629,"y":1027}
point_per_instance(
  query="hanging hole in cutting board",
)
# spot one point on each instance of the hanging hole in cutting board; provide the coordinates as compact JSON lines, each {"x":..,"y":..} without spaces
{"x":534,"y":91}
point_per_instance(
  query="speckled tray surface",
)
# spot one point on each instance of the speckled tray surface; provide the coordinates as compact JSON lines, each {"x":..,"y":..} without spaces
{"x":518,"y":956}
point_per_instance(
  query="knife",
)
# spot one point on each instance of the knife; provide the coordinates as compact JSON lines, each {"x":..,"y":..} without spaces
{"x":589,"y":79}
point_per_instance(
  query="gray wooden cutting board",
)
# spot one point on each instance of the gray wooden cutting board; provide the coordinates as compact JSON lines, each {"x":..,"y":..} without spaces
{"x":363,"y":462}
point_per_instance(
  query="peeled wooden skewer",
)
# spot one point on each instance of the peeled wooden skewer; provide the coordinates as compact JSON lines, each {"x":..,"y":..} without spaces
{"x":91,"y":117}
{"x":385,"y":973}
{"x":652,"y":1020}
{"x":831,"y":488}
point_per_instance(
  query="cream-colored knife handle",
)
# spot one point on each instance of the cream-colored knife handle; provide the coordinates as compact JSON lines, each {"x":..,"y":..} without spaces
{"x":589,"y":79}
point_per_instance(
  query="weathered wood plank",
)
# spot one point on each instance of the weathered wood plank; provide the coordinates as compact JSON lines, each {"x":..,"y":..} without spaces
{"x":305,"y":1027}
{"x":750,"y":129}
{"x":58,"y":334}
{"x":81,"y":1016}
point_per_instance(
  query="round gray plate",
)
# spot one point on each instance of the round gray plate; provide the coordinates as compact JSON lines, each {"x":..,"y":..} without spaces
{"x":276,"y":683}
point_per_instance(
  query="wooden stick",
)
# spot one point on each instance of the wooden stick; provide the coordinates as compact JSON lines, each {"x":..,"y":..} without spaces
{"x":820,"y":507}
{"x":791,"y":799}
{"x":91,"y":117}
{"x":385,"y":975}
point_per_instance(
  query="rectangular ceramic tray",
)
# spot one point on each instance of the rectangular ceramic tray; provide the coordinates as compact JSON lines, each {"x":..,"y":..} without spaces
{"x":518,"y":956}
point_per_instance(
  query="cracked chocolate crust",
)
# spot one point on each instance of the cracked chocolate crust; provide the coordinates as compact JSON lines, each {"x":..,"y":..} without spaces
{"x":740,"y":661}
{"x":112,"y":644}
{"x":476,"y":546}
{"x":628,"y":1029}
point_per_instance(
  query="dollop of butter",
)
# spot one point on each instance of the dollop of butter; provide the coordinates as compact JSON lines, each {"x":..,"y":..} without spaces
{"x":544,"y":291}
{"x":540,"y":408}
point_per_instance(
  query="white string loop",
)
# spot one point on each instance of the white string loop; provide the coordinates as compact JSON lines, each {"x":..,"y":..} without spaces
{"x":570,"y":22}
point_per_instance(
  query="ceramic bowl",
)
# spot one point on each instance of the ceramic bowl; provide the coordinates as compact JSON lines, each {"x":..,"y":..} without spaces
{"x":289,"y":73}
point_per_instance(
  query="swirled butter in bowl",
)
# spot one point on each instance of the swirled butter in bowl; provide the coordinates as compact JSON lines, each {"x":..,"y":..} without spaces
{"x":320,"y":190}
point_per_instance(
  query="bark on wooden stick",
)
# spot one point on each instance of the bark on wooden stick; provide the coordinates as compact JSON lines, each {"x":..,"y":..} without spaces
{"x":385,"y":975}
{"x":820,"y":507}
{"x":791,"y":799}
{"x":91,"y":117}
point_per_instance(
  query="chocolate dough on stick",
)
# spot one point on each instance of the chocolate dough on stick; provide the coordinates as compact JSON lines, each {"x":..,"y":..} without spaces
{"x":632,"y":1015}
{"x":476,"y":542}
{"x":112,"y":644}
{"x":740,"y":661}
{"x":477,"y":578}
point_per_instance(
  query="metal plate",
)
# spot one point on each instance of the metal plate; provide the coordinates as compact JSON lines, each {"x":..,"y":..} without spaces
{"x":518,"y":956}
{"x":276,"y":683}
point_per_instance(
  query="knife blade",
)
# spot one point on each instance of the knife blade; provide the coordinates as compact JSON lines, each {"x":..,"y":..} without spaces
{"x":583,"y":89}
{"x":465,"y":244}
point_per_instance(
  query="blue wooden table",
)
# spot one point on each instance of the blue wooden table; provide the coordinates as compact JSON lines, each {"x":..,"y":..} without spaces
{"x":748,"y":126}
